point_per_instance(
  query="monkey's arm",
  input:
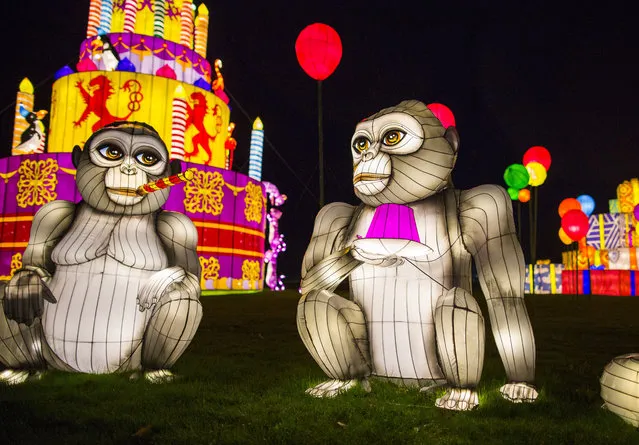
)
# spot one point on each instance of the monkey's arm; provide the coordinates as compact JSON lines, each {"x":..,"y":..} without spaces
{"x":488,"y":232}
{"x":27,"y":289}
{"x":327,"y":260}
{"x":179,"y":237}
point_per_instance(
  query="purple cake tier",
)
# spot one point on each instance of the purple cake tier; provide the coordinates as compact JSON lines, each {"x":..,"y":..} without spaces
{"x":149,"y":54}
{"x":227,"y":208}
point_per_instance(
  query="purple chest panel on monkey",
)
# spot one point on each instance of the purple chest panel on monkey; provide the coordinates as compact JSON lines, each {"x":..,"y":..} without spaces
{"x":101,"y":265}
{"x":399,"y":301}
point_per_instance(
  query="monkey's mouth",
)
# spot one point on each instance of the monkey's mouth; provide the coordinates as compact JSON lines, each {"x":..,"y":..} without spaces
{"x":123,"y":191}
{"x":369,"y":177}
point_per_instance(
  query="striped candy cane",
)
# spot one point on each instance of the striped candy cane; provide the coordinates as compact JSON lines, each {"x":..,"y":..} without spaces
{"x":106,"y":14}
{"x":159,"y":13}
{"x":178,"y":123}
{"x":130,"y":12}
{"x":94,"y":18}
{"x":186,"y":24}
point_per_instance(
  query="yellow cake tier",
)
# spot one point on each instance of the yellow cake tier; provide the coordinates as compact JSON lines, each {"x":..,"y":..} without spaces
{"x":81,"y":103}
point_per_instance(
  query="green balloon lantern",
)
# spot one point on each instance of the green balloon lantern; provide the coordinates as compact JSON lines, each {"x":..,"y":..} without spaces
{"x":516,"y":176}
{"x":514,"y":193}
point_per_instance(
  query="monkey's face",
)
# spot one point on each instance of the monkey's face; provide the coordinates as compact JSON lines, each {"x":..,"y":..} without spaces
{"x":115,"y":164}
{"x":401,"y":155}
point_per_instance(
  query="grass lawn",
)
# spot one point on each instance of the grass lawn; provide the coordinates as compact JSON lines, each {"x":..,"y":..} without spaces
{"x":243,"y":380}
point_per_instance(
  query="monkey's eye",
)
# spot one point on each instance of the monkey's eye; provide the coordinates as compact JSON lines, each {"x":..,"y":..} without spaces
{"x":393,"y":137}
{"x":111,"y":152}
{"x":361,"y":144}
{"x":147,"y":158}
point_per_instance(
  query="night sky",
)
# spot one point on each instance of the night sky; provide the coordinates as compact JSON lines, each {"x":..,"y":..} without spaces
{"x":513,"y":76}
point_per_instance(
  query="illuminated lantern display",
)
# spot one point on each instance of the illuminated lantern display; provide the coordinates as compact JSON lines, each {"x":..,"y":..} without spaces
{"x":130,"y":11}
{"x":256,"y":150}
{"x":620,"y":387}
{"x":635,"y":212}
{"x":568,"y":204}
{"x":537,"y":173}
{"x":516,"y":176}
{"x":411,"y":316}
{"x":524,"y":195}
{"x":159,"y":13}
{"x":587,"y":204}
{"x":94,"y":18}
{"x":201,"y":30}
{"x":229,"y":209}
{"x":513,"y":193}
{"x":106,"y":15}
{"x":537,"y":154}
{"x":143,"y":285}
{"x":575,"y":224}
{"x":319,"y":50}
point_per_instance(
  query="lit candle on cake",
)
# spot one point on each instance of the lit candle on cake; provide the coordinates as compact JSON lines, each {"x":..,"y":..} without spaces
{"x":130,"y":12}
{"x":255,"y":151}
{"x":106,"y":14}
{"x":94,"y":18}
{"x":186,"y":24}
{"x":178,"y":123}
{"x":25,"y":98}
{"x":201,"y":30}
{"x":159,"y":13}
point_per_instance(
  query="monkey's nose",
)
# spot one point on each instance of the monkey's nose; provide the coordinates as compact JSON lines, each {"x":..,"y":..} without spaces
{"x":128,"y":169}
{"x":368,"y":155}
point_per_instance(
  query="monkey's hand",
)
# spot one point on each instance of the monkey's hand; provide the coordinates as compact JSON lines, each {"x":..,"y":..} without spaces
{"x":172,"y":283}
{"x":25,"y":294}
{"x":376,"y":259}
{"x":518,"y":392}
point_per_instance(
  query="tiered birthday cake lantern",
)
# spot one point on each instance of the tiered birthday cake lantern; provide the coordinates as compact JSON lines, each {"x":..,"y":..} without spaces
{"x":145,"y":61}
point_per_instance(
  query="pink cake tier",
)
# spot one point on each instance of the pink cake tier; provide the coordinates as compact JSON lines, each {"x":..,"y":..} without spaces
{"x":151,"y":55}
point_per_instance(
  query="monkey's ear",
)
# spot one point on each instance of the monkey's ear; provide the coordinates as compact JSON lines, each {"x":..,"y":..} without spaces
{"x":452,"y":137}
{"x":176,"y":166}
{"x":75,"y":155}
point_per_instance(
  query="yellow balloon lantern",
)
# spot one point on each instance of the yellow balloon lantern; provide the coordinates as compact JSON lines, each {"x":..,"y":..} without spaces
{"x":537,"y":173}
{"x":563,"y":236}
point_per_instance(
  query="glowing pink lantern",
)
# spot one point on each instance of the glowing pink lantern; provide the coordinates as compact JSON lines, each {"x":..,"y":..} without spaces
{"x":86,"y":65}
{"x":537,"y":154}
{"x":443,"y":113}
{"x":394,"y":221}
{"x":319,"y":50}
{"x":635,"y":211}
{"x":166,"y":71}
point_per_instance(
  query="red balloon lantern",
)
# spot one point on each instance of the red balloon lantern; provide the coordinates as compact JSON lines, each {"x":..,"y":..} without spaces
{"x":443,"y":113}
{"x":575,"y":224}
{"x":319,"y":50}
{"x":537,"y":154}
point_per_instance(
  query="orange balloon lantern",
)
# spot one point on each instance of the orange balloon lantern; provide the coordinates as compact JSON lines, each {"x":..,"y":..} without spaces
{"x":563,"y":237}
{"x":537,"y":154}
{"x":524,"y":195}
{"x":568,"y":204}
{"x":319,"y":50}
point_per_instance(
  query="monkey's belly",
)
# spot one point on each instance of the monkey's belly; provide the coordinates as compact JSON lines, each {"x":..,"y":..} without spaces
{"x":96,"y":326}
{"x":399,"y":312}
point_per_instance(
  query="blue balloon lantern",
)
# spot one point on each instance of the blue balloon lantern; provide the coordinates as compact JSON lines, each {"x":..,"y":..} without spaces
{"x":587,"y":204}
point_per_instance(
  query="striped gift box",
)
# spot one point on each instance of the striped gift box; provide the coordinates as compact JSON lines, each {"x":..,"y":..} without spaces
{"x":605,"y":231}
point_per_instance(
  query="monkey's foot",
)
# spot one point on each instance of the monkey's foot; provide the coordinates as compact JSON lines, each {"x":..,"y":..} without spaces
{"x":519,"y":392}
{"x":332,"y":388}
{"x":13,"y":377}
{"x":458,"y":399}
{"x":159,"y":376}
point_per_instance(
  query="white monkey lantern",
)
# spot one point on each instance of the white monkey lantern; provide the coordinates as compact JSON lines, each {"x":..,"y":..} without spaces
{"x":620,"y":387}
{"x":407,"y":249}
